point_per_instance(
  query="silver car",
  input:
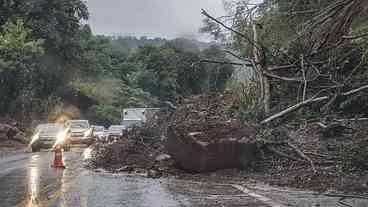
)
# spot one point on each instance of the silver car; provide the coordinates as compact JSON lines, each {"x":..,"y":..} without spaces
{"x":47,"y":136}
{"x":115,"y":132}
{"x":99,"y":132}
{"x":80,"y":131}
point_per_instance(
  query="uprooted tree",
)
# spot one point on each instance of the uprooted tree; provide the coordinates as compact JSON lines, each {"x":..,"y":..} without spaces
{"x":305,"y":54}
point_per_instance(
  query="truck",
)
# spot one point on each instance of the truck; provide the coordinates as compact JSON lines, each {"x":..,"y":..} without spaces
{"x":137,"y":116}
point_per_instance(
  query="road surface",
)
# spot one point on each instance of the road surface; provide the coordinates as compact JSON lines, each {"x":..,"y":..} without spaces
{"x":27,"y":180}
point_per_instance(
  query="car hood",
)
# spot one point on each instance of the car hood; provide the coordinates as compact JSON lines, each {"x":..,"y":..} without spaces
{"x":78,"y":130}
{"x":115,"y":132}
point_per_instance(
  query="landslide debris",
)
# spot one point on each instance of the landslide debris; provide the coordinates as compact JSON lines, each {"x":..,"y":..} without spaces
{"x":140,"y":150}
{"x":199,"y":137}
{"x":339,"y":161}
{"x":10,"y":135}
{"x":202,"y":138}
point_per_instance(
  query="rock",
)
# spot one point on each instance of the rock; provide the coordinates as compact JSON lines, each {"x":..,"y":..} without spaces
{"x":202,"y":138}
{"x":5,"y":128}
{"x":162,"y":157}
{"x":125,"y":169}
{"x":21,"y":137}
{"x":194,"y":156}
{"x":3,"y":137}
{"x":154,"y":174}
{"x":8,"y":132}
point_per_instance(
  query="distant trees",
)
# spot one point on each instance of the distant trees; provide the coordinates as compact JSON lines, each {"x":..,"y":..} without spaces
{"x":48,"y":56}
{"x":169,"y":71}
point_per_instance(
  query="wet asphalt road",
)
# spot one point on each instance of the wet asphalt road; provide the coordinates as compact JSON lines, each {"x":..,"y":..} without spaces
{"x":28,"y":180}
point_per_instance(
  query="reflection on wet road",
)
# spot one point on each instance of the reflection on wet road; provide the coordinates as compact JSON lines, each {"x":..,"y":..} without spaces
{"x":28,"y":180}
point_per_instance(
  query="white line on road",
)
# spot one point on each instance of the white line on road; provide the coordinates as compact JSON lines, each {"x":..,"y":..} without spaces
{"x":265,"y":200}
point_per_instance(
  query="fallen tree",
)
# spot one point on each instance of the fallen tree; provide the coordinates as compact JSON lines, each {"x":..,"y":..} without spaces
{"x":309,"y":101}
{"x":293,"y":62}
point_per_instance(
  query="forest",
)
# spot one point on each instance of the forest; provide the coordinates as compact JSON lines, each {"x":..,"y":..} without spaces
{"x":52,"y":64}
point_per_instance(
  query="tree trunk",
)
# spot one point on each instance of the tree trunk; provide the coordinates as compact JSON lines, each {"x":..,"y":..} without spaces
{"x":267,"y":96}
{"x":264,"y":80}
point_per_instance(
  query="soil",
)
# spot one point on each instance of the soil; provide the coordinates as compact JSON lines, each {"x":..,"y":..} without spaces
{"x":333,"y":171}
{"x":11,"y":137}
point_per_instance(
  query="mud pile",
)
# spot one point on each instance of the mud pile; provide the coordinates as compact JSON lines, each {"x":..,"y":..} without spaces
{"x":10,"y":135}
{"x":141,"y":150}
{"x":329,"y":163}
{"x":202,"y":138}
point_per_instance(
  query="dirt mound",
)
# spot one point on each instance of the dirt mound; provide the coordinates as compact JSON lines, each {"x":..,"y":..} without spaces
{"x":10,"y":133}
{"x":338,"y":163}
{"x":141,"y":150}
{"x":203,"y":138}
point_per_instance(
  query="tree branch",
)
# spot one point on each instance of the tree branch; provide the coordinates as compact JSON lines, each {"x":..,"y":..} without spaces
{"x":230,"y":29}
{"x":355,"y":37}
{"x":309,"y":101}
{"x":226,"y":62}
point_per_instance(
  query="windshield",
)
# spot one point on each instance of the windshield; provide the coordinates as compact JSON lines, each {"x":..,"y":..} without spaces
{"x":78,"y":124}
{"x":49,"y":128}
{"x":116,"y":128}
{"x":98,"y":129}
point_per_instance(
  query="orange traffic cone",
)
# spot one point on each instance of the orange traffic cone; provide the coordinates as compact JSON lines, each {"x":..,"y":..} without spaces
{"x":58,"y":158}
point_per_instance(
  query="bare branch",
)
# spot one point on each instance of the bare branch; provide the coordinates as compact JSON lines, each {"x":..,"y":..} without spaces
{"x":309,"y":101}
{"x":226,"y":63}
{"x":355,"y":37}
{"x":231,"y":29}
{"x":238,"y":56}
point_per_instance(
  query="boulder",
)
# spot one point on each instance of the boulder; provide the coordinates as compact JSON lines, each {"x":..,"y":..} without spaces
{"x":195,"y":155}
{"x":162,"y":157}
{"x":20,"y":137}
{"x":8,"y":132}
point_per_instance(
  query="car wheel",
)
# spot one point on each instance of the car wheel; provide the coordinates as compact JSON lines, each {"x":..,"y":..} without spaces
{"x":35,"y":149}
{"x":67,"y":148}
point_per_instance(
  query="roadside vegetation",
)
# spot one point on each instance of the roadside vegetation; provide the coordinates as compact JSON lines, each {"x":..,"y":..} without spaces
{"x":50,"y":61}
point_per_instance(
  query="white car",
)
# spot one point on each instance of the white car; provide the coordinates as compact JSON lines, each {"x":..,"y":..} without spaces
{"x":46,"y":136}
{"x":115,"y":132}
{"x":99,"y":132}
{"x":80,"y":131}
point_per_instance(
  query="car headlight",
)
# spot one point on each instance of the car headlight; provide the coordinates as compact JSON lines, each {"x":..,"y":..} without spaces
{"x":35,"y":138}
{"x":87,"y":133}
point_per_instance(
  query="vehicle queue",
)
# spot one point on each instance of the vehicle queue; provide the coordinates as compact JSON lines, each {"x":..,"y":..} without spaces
{"x":72,"y":132}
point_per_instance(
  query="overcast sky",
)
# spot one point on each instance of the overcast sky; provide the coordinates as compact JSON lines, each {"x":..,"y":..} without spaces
{"x":152,"y":18}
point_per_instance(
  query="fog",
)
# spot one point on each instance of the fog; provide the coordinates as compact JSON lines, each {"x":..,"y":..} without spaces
{"x":152,"y":18}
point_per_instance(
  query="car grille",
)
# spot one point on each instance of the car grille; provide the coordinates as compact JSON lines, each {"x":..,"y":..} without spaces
{"x":77,"y":134}
{"x":47,"y":138}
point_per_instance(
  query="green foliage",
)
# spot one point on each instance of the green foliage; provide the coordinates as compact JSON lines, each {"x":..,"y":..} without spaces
{"x":17,"y":66}
{"x":16,"y":47}
{"x":355,"y":156}
{"x":105,"y":115}
{"x":246,"y":105}
{"x":168,"y":71}
{"x":46,"y":52}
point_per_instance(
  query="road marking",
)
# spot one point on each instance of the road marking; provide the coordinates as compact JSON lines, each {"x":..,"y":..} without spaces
{"x":246,"y":192}
{"x":262,"y":198}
